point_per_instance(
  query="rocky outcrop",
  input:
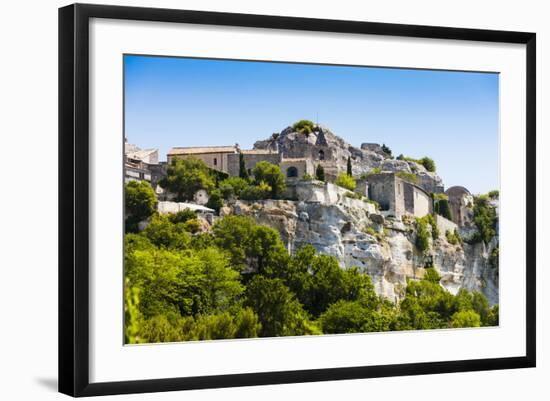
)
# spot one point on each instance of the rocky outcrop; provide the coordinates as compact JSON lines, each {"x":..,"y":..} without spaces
{"x":328,"y":149}
{"x":351,"y":231}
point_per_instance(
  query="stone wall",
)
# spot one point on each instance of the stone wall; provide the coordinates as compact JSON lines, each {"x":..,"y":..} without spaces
{"x":382,"y":189}
{"x":444,"y":225}
{"x":250,"y":161}
{"x":301,"y":166}
{"x":216,"y":161}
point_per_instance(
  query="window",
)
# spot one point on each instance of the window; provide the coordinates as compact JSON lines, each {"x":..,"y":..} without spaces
{"x":321,"y":155}
{"x":215,"y":161}
{"x":292,"y":172}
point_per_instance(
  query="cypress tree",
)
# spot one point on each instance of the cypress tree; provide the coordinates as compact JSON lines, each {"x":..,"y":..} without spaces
{"x":320,"y":173}
{"x":242,"y":167}
{"x":349,"y":166}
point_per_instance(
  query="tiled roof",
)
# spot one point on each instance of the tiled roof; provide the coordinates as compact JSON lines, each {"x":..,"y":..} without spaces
{"x":201,"y":149}
{"x":258,"y":152}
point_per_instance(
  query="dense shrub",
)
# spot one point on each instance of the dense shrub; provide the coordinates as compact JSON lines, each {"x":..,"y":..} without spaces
{"x":485,"y":218}
{"x":427,"y":162}
{"x":270,"y":174}
{"x":215,"y":201}
{"x":345,"y":181}
{"x":233,"y":187}
{"x":304,"y":127}
{"x":453,"y":238}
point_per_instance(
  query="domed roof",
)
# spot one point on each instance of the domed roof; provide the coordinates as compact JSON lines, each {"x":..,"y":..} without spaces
{"x":457,"y":191}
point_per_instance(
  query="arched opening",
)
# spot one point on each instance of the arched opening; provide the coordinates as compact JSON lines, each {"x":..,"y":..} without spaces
{"x":292,"y":172}
{"x":321,"y":154}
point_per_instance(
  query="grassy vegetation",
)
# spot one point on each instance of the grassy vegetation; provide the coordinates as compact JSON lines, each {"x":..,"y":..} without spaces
{"x":453,"y":238}
{"x":427,"y":162}
{"x":409,"y":177}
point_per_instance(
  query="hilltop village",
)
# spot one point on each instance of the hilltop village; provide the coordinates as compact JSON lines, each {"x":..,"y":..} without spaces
{"x":390,"y":216}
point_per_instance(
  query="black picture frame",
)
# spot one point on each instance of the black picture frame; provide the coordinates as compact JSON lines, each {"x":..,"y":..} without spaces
{"x":74,"y":199}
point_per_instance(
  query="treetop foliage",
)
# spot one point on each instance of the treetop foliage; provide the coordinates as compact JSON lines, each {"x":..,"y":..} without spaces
{"x":186,"y":176}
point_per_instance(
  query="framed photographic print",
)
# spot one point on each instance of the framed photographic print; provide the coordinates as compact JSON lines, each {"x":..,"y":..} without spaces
{"x":250,"y":199}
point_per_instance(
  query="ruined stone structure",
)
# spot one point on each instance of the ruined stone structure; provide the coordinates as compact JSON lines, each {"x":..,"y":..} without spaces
{"x":397,"y":197}
{"x":461,"y":202}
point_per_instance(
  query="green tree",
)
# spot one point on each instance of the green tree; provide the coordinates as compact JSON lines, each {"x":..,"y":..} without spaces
{"x":132,"y":316}
{"x":215,"y":201}
{"x":163,"y":233}
{"x":239,"y":323}
{"x":243,"y":172}
{"x":354,"y":317}
{"x":349,"y":169}
{"x":186,"y":176}
{"x":345,"y":181}
{"x":186,"y":283}
{"x":251,"y":246}
{"x":270,"y":174}
{"x":320,"y":173}
{"x":159,"y":329}
{"x":264,"y":250}
{"x":140,"y":202}
{"x":256,"y":192}
{"x":279,"y":312}
{"x":467,"y":318}
{"x":233,"y":186}
{"x":231,"y":234}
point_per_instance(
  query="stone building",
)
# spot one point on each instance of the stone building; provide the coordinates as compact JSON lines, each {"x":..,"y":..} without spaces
{"x":251,"y":158}
{"x":398,"y":197}
{"x":461,"y":203}
{"x":295,"y":169}
{"x":215,"y":157}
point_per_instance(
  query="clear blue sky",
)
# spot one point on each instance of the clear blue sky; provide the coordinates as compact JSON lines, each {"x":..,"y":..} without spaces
{"x":452,"y":117}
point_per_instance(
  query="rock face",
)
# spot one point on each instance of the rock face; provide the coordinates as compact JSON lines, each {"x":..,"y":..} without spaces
{"x":332,"y":152}
{"x":384,"y":248}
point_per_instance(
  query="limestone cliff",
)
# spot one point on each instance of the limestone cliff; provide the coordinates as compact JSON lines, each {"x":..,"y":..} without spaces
{"x":356,"y":235}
